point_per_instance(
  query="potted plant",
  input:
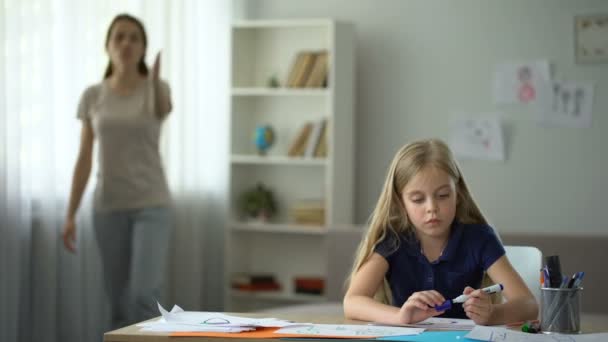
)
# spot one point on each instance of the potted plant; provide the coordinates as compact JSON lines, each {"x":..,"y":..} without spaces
{"x":258,"y":203}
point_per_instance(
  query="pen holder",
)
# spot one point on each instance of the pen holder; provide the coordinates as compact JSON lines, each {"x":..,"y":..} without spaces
{"x":560,"y":310}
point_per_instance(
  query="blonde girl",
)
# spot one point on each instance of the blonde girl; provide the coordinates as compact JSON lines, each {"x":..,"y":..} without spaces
{"x":428,"y":242}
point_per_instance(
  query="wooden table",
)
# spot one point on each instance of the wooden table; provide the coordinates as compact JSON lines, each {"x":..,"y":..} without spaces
{"x":590,"y":323}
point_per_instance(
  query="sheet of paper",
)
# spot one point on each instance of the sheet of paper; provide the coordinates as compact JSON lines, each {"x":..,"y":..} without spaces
{"x":172,"y":327}
{"x":478,"y":138}
{"x":516,"y":82}
{"x":430,"y":336}
{"x":178,"y":320}
{"x":205,"y":318}
{"x":497,"y":334}
{"x":567,"y":104}
{"x":258,"y":333}
{"x":348,"y":330}
{"x":440,"y":323}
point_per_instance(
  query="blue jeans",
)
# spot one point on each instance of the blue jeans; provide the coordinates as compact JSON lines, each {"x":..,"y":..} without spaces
{"x":133,"y":245}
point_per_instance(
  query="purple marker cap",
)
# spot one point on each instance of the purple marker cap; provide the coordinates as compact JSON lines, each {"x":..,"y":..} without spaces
{"x":445,"y":306}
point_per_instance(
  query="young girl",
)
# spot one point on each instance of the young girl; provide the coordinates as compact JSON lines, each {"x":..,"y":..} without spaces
{"x":429,"y":241}
{"x":132,"y":216}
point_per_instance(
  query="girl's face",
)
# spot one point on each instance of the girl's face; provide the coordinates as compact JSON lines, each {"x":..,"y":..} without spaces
{"x":126,"y":45}
{"x":430,"y":202}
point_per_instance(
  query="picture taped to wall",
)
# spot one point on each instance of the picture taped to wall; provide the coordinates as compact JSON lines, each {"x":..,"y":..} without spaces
{"x":478,"y":138}
{"x":591,"y":38}
{"x":566,"y":103}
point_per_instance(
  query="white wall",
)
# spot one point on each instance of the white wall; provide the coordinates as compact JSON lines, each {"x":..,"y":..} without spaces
{"x":418,"y":61}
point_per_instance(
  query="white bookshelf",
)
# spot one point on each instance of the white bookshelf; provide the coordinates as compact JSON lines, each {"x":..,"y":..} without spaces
{"x":260,"y":50}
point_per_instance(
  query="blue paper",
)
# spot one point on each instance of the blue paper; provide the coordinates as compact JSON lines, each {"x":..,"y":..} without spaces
{"x":434,"y":336}
{"x":427,"y":336}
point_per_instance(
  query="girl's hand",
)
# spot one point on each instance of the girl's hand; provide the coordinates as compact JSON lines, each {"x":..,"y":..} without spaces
{"x":420,"y":306}
{"x":69,"y":235}
{"x":156,"y":67}
{"x":479,"y":306}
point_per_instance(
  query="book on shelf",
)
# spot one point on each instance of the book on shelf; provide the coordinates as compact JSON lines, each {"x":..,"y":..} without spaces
{"x":310,"y":140}
{"x":309,"y":285}
{"x":319,"y":71}
{"x":298,"y":145}
{"x":309,"y":212}
{"x":254,"y":282}
{"x":309,"y":70}
{"x":321,"y":149}
{"x":295,"y":66}
{"x":304,"y":71}
{"x":315,"y":137}
{"x":258,"y":287}
{"x":301,"y":69}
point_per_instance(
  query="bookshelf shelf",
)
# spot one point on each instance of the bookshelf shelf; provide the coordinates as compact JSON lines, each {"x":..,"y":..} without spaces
{"x":277,"y":160}
{"x":284,"y":228}
{"x":282,"y":24}
{"x":277,"y":296}
{"x":253,"y":91}
{"x":313,"y":63}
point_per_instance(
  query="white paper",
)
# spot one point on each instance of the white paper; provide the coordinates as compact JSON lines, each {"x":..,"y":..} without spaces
{"x":439,"y":323}
{"x":478,"y":138}
{"x":176,"y":327}
{"x":567,"y":104}
{"x":519,"y":82}
{"x":484,"y":333}
{"x":351,"y":330}
{"x":219,"y":319}
{"x":180,"y":320}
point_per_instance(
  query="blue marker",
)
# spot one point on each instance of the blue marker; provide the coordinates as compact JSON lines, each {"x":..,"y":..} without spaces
{"x":547,"y":277}
{"x":463,"y":298}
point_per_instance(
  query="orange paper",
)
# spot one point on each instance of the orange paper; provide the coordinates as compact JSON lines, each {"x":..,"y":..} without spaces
{"x":258,"y":333}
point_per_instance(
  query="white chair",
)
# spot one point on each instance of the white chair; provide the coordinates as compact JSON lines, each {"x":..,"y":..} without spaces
{"x":527,"y":261}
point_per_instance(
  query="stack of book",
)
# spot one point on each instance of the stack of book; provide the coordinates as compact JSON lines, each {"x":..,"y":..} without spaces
{"x":309,"y":70}
{"x":309,"y":212}
{"x":310,"y":141}
{"x":255,"y":282}
{"x":309,"y":285}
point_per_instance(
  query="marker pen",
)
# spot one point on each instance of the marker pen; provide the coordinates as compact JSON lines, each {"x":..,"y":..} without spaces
{"x":579,"y":280}
{"x":463,"y":298}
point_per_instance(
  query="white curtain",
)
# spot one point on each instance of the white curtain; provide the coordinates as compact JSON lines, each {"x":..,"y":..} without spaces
{"x":49,"y":52}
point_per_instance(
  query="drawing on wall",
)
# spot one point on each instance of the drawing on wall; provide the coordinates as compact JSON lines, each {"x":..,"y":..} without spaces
{"x":591,"y":38}
{"x":478,"y":138}
{"x":519,"y":82}
{"x":567,"y":104}
{"x":526,"y":92}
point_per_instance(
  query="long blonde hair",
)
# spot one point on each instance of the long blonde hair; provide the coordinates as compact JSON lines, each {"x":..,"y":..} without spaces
{"x":390,"y":217}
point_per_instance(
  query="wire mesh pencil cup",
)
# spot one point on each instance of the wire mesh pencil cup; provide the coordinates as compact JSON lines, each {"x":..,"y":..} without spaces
{"x":560,"y":310}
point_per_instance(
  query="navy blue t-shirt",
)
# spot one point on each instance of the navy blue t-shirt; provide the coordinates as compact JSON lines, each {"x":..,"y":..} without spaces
{"x":471,"y":250}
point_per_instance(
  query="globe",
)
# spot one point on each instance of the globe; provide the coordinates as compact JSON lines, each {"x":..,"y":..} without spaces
{"x":264,"y":138}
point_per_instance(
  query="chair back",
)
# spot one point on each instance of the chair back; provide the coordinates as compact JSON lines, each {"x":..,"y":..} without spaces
{"x":527,"y":261}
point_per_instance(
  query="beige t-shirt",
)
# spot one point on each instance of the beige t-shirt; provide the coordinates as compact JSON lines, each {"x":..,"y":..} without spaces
{"x":130,"y":173}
